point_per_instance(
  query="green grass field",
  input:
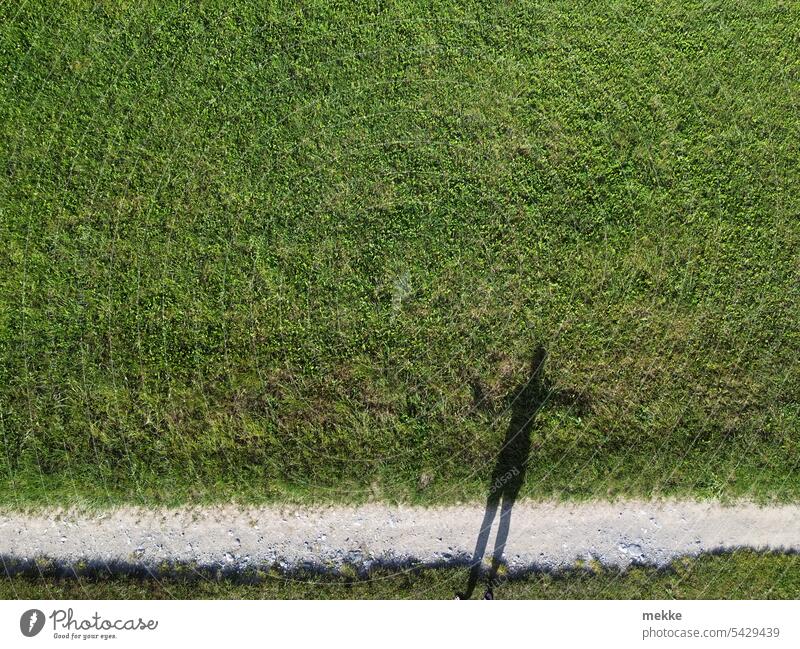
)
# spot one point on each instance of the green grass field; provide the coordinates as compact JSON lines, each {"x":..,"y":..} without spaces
{"x":742,"y":575}
{"x":303,"y":251}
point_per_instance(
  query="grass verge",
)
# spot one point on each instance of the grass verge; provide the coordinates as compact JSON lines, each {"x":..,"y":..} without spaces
{"x":739,"y":575}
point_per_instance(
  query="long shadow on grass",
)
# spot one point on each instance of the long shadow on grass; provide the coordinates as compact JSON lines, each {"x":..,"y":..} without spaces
{"x":508,"y":476}
{"x":49,"y":570}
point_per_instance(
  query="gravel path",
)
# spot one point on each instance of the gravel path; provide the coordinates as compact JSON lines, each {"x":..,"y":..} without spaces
{"x":544,"y":535}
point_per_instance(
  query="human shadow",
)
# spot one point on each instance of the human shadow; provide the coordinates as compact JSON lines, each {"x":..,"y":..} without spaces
{"x":508,"y":476}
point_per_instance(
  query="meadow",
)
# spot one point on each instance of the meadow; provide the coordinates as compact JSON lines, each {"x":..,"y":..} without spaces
{"x":269,"y":252}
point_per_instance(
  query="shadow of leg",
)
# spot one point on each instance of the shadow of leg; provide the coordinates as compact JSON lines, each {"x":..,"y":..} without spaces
{"x":500,"y":541}
{"x":480,"y":548}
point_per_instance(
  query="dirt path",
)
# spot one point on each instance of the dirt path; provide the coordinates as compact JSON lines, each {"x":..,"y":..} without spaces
{"x":545,"y":535}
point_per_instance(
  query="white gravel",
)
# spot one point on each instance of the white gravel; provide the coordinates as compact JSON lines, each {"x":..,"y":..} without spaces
{"x":543,"y":535}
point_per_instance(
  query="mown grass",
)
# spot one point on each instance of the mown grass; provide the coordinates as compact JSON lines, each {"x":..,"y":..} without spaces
{"x":740,"y":575}
{"x":267,"y":251}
